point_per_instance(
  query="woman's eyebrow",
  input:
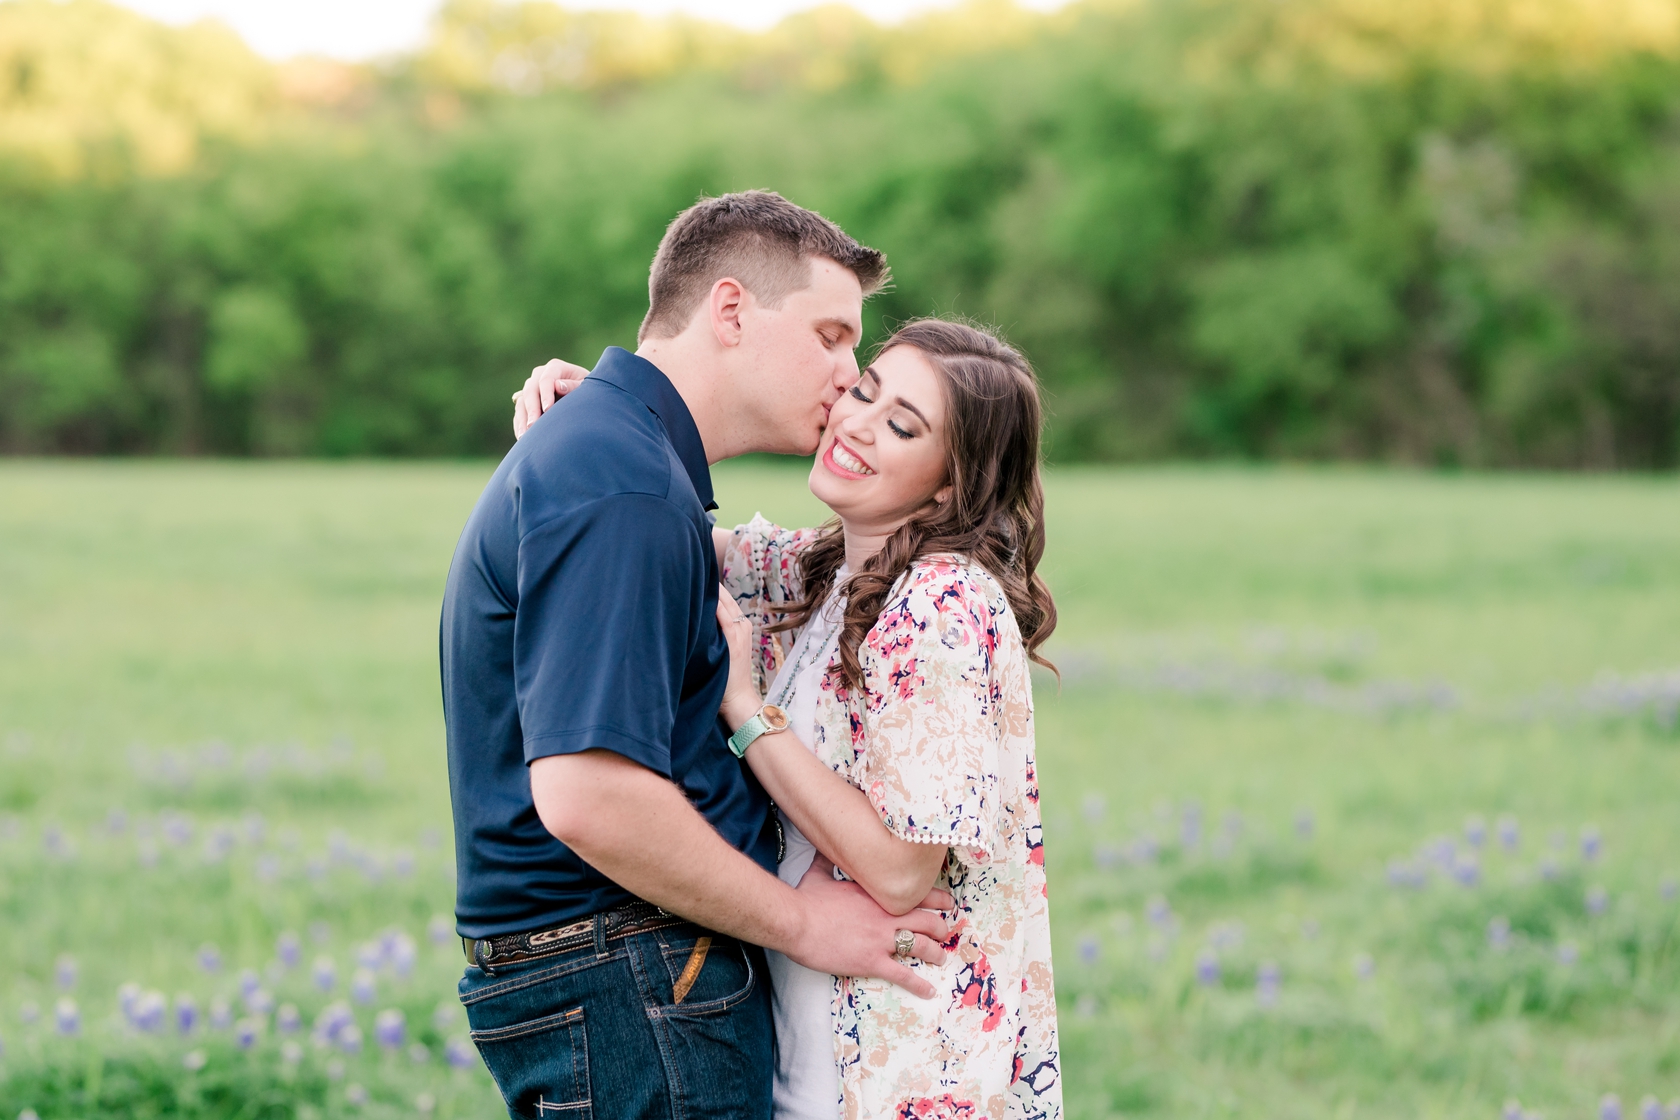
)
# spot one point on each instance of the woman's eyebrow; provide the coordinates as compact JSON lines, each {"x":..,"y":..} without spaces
{"x":870,"y":372}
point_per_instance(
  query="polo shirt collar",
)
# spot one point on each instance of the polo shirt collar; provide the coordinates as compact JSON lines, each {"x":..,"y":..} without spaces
{"x":644,"y":380}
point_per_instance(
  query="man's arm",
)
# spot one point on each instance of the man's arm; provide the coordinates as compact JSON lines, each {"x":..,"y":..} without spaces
{"x":638,"y":829}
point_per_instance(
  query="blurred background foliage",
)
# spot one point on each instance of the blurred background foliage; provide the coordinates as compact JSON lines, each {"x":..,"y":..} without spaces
{"x":1430,"y":231}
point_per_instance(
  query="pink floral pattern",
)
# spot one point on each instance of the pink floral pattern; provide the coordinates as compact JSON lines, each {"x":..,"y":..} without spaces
{"x":941,"y":741}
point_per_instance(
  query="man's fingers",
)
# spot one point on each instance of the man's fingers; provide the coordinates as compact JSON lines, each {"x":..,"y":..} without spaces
{"x":929,"y":950}
{"x":937,"y":900}
{"x":926,"y":923}
{"x":902,"y":976}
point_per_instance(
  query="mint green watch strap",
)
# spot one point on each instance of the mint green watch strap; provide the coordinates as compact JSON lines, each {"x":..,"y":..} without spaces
{"x":744,"y":736}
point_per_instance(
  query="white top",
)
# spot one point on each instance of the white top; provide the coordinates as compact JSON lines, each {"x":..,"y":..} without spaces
{"x":802,"y":1001}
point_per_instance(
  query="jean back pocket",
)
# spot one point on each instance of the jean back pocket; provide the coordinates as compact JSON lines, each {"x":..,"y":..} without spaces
{"x":541,"y":1066}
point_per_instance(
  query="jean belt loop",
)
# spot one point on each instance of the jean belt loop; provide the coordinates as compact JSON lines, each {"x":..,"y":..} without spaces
{"x":601,"y":935}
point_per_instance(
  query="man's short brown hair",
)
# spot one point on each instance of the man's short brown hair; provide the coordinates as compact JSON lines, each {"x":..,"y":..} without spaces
{"x":756,"y":237}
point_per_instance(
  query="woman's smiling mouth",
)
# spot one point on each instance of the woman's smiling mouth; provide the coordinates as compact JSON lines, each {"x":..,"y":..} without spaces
{"x":842,"y":462}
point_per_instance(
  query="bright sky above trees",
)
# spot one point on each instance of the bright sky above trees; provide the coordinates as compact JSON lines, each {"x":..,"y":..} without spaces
{"x":283,"y":28}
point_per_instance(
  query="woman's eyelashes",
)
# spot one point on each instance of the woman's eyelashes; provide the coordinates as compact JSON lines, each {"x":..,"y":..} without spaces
{"x":892,"y":425}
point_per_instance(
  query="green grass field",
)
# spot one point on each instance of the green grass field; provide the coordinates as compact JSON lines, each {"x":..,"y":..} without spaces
{"x":1288,"y":697}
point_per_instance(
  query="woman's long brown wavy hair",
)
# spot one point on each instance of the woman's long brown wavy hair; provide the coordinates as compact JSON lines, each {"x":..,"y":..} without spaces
{"x":995,"y":514}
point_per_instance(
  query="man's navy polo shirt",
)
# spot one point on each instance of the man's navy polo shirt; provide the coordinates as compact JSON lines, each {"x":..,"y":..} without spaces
{"x":580,"y":612}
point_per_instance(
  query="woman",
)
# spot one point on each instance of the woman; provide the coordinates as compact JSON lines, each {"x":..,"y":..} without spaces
{"x":896,"y":639}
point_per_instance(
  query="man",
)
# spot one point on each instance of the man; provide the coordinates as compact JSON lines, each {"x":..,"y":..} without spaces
{"x":616,"y":864}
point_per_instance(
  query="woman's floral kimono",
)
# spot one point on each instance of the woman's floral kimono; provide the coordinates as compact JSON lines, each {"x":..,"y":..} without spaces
{"x":941,"y":740}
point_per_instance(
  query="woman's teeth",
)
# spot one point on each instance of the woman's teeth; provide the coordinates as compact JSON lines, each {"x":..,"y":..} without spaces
{"x":846,"y":461}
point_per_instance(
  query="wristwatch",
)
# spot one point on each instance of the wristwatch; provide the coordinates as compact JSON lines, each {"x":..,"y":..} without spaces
{"x":766,"y":721}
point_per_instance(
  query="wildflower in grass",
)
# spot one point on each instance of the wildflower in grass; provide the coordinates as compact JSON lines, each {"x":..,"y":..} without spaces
{"x":55,"y":842}
{"x":1363,"y":966}
{"x":403,"y":954}
{"x":1567,"y":953}
{"x":1549,"y":869}
{"x":1509,"y":835}
{"x":259,"y":1002}
{"x":1266,"y":984}
{"x":1089,"y":949}
{"x":440,"y":930}
{"x":1144,"y":849}
{"x":459,"y":1053}
{"x":255,"y":828}
{"x":1591,"y":844}
{"x":289,"y":949}
{"x":1207,"y":969}
{"x":335,"y":1070}
{"x":1610,"y":1107}
{"x":1674,"y":1109}
{"x":29,"y":1011}
{"x":1159,"y":913}
{"x":147,"y":853}
{"x":444,"y":1015}
{"x":29,"y":1114}
{"x":1095,"y":807}
{"x":1511,"y":1111}
{"x":245,"y":1032}
{"x":325,"y":974}
{"x":355,"y":1095}
{"x":209,"y":957}
{"x":1499,"y":934}
{"x":332,"y":1019}
{"x":67,"y":1017}
{"x":290,"y":1052}
{"x":249,"y":981}
{"x":151,"y":1012}
{"x":64,"y":971}
{"x":126,"y":997}
{"x":287,"y":1020}
{"x":390,"y":1028}
{"x":194,"y":1060}
{"x":362,"y":986}
{"x":419,"y":1053}
{"x":1475,"y":831}
{"x":320,"y":933}
{"x":1190,"y":826}
{"x":186,"y":1013}
{"x":1467,"y":870}
{"x":268,"y":869}
{"x":221,"y":1014}
{"x":1598,"y":900}
{"x":1086,"y":1006}
{"x":1650,"y":1109}
{"x":402,"y":864}
{"x":1669,"y":888}
{"x":424,"y":1104}
{"x":350,"y":1039}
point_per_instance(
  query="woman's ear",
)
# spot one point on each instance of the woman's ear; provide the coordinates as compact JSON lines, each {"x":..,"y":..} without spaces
{"x":942,"y":495}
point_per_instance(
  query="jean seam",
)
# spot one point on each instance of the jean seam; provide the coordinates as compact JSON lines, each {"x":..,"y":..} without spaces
{"x":694,"y":1010}
{"x":553,"y":972}
{"x":667,"y":1054}
{"x":524,"y":1030}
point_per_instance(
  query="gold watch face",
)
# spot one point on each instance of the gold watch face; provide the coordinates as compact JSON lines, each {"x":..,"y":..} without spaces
{"x":774,"y":718}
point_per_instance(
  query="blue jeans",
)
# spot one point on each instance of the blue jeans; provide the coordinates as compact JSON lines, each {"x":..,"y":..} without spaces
{"x":596,"y":1031}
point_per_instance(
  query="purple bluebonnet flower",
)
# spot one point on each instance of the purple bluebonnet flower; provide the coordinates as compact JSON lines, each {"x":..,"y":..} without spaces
{"x":209,"y":957}
{"x":1266,"y":984}
{"x":350,"y":1039}
{"x":1190,"y":826}
{"x":127,"y":995}
{"x":249,"y":981}
{"x":151,"y":1012}
{"x":1089,"y":949}
{"x":315,"y":868}
{"x":1591,"y":844}
{"x":390,"y":1028}
{"x":1207,"y":969}
{"x":370,"y":955}
{"x":1549,"y":869}
{"x":116,"y":822}
{"x":1467,"y":870}
{"x":1650,"y":1109}
{"x":290,"y":1052}
{"x":289,"y":949}
{"x":1305,"y":825}
{"x":221,"y":1014}
{"x":1567,"y":953}
{"x":64,"y":971}
{"x":1106,"y":856}
{"x":29,"y":1114}
{"x":1509,"y":834}
{"x":1499,"y":933}
{"x":287,"y":1020}
{"x":362,"y":986}
{"x":147,"y":853}
{"x":259,"y":1002}
{"x":1669,"y":888}
{"x":55,"y":842}
{"x":1158,"y":912}
{"x":186,"y":1013}
{"x":1610,"y":1107}
{"x":1096,"y":806}
{"x":325,"y":973}
{"x":335,"y":1069}
{"x":245,"y":1033}
{"x":255,"y":828}
{"x":331,"y":1019}
{"x":268,"y":868}
{"x":419,"y":1053}
{"x":402,"y":864}
{"x":1598,"y":900}
{"x":67,"y":1017}
{"x":459,"y":1053}
{"x":194,"y":1060}
{"x":29,"y":1011}
{"x":440,"y":930}
{"x":1363,"y":966}
{"x":320,"y":933}
{"x":444,"y":1015}
{"x":355,"y":1095}
{"x":1475,"y":831}
{"x":424,"y":1104}
{"x":1511,"y":1111}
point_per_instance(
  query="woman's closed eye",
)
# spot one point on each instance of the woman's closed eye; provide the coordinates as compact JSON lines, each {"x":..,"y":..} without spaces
{"x":857,"y":392}
{"x":901,"y":433}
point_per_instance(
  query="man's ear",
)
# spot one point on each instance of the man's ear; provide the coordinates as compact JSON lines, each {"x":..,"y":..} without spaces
{"x":725,"y":305}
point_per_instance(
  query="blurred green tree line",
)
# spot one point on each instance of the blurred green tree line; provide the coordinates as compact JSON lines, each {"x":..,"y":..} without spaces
{"x":1435,"y":231}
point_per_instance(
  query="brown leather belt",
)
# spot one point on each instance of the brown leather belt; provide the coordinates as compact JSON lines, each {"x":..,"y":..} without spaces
{"x":490,"y":953}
